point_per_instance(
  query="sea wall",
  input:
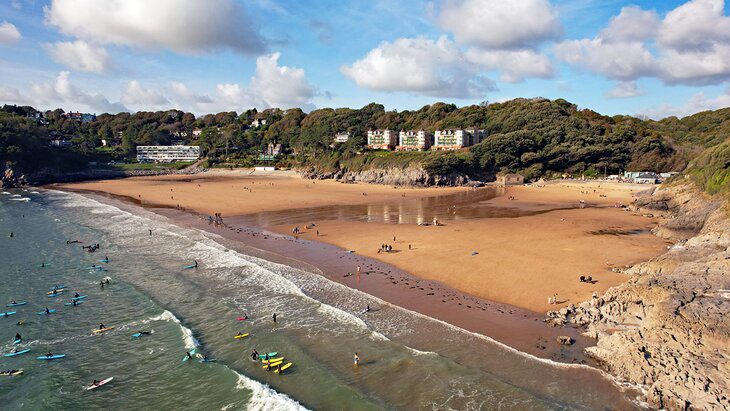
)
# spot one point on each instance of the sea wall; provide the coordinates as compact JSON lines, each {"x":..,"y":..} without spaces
{"x":12,"y":178}
{"x":667,"y":328}
{"x":410,"y":176}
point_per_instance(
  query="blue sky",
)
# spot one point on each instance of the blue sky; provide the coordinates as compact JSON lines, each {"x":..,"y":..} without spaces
{"x":654,"y":58}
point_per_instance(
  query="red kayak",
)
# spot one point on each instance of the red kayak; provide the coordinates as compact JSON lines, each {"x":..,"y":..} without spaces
{"x":242,"y":318}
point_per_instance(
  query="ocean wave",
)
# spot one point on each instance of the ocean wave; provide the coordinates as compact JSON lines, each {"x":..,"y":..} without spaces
{"x":188,"y":338}
{"x":264,"y":398}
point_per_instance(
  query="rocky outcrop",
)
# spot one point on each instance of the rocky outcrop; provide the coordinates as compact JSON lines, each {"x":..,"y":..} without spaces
{"x":10,"y":178}
{"x":667,"y":327}
{"x":411,"y":176}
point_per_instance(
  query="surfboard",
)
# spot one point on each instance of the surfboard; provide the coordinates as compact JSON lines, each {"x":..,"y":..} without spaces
{"x":273,"y":360}
{"x":11,"y":373}
{"x":273,"y":364}
{"x":53,"y":357}
{"x":55,"y":294}
{"x":81,"y":297}
{"x":240,"y":336}
{"x":46,"y":313}
{"x":17,"y":342}
{"x":98,"y":384}
{"x":57,"y":287}
{"x":8,"y":314}
{"x":75,"y":303}
{"x":102,"y":330}
{"x":271,"y":354}
{"x":192,"y":352}
{"x":242,"y":318}
{"x":13,"y":354}
{"x":16,"y":304}
{"x":56,"y":291}
{"x":187,"y":267}
{"x":283,"y":367}
{"x":208,"y":360}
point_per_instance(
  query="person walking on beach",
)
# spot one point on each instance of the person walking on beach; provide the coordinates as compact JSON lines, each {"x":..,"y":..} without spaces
{"x":356,"y":360}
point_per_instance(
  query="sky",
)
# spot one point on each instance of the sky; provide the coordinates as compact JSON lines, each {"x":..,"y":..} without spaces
{"x":648,"y":58}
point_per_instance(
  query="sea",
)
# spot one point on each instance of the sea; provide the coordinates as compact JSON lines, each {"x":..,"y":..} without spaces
{"x":407,"y":361}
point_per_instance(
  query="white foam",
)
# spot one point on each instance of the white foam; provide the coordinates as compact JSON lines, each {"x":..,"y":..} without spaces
{"x":190,"y":341}
{"x":263,"y":398}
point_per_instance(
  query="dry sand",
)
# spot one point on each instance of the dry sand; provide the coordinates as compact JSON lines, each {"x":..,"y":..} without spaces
{"x":520,"y":261}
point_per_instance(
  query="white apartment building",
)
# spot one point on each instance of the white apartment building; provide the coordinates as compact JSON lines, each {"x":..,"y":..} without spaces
{"x":382,"y":139}
{"x":411,"y":140}
{"x":166,"y":154}
{"x":456,"y":139}
{"x":342,"y":137}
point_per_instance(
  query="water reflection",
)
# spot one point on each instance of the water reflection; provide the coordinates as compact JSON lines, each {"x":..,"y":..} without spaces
{"x":459,"y":206}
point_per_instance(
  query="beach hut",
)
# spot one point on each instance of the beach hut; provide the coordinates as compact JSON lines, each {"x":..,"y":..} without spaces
{"x":510,"y":179}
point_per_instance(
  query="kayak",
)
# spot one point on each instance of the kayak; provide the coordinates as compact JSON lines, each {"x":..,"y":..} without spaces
{"x":10,"y":373}
{"x":13,"y":354}
{"x":273,"y":360}
{"x":187,"y":267}
{"x":271,"y":354}
{"x":272,"y":365}
{"x":53,"y":357}
{"x":283,"y":367}
{"x":56,"y":291}
{"x":75,"y":303}
{"x":16,"y":304}
{"x":102,"y":330}
{"x":46,"y":313}
{"x":240,"y":336}
{"x":98,"y":384}
{"x":185,"y":358}
{"x":208,"y":360}
{"x":8,"y":314}
{"x":57,"y":287}
{"x":81,"y":297}
{"x":55,"y":294}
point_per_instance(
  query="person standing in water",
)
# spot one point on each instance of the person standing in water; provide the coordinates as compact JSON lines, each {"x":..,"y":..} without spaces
{"x":274,"y":317}
{"x":254,"y":355}
{"x":196,"y":263}
{"x":188,"y":355}
{"x":18,"y":337}
{"x":356,"y":359}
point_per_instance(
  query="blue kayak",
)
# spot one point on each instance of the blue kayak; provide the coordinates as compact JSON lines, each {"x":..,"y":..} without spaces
{"x":46,"y":313}
{"x":7,"y":314}
{"x":57,"y":287}
{"x":55,"y":294}
{"x":53,"y":357}
{"x":16,"y":304}
{"x":81,"y":297}
{"x":75,"y":303}
{"x":13,"y":354}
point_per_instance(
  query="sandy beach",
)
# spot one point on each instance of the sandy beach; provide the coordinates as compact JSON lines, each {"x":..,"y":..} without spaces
{"x":520,"y":261}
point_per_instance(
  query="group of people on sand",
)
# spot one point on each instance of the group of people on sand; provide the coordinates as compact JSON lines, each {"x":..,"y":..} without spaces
{"x":216,"y":219}
{"x":385,"y":248}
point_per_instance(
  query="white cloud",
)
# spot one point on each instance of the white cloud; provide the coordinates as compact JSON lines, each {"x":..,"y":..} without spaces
{"x":280,"y":86}
{"x":515,"y":65}
{"x":691,"y":45}
{"x":418,"y":65}
{"x":183,"y":97}
{"x":11,"y":95}
{"x":8,"y":33}
{"x":183,"y":26}
{"x":625,"y":89}
{"x":698,"y":102}
{"x":136,"y":95}
{"x":500,"y":24}
{"x":62,"y":92}
{"x":79,"y":55}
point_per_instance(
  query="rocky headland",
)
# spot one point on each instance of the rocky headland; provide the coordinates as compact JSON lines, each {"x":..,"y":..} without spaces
{"x":666,"y":328}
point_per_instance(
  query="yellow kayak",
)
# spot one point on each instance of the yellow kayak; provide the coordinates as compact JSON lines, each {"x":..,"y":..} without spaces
{"x":102,"y":330}
{"x":283,"y":367}
{"x":240,"y":335}
{"x":271,"y":360}
{"x":272,"y":364}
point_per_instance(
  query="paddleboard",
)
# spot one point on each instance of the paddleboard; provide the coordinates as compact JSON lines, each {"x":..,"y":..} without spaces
{"x":10,"y":373}
{"x":273,"y":364}
{"x":55,"y":294}
{"x":284,"y":367}
{"x":106,"y":260}
{"x":16,"y":304}
{"x":17,"y":341}
{"x":46,"y":313}
{"x":240,"y":336}
{"x":8,"y":314}
{"x":102,"y":330}
{"x":56,"y":291}
{"x":271,"y":354}
{"x":57,"y":287}
{"x":75,"y":303}
{"x":273,"y":360}
{"x":98,"y":384}
{"x":187,"y":267}
{"x":13,"y":354}
{"x":192,"y":352}
{"x":53,"y":357}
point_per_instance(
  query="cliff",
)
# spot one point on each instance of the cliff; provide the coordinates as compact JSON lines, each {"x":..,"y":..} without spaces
{"x":666,"y":328}
{"x":412,"y":176}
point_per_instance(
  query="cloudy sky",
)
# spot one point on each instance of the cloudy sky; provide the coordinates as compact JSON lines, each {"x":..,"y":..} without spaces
{"x":655,"y":58}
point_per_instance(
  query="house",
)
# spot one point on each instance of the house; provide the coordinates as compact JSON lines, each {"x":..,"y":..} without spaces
{"x":646,"y":178}
{"x":166,"y":154}
{"x":414,"y":140}
{"x":82,"y":117}
{"x":61,"y":143}
{"x":273,"y":149}
{"x":475,"y":136}
{"x":342,"y":137}
{"x":258,"y":122}
{"x":197,"y":132}
{"x":382,"y":139}
{"x":510,"y":179}
{"x":451,"y":139}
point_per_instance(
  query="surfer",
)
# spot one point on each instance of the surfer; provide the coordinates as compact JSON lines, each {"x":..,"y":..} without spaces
{"x":12,"y":235}
{"x":74,"y":303}
{"x":274,"y":317}
{"x":49,"y":354}
{"x":101,"y":326}
{"x":107,"y":280}
{"x":76,"y":295}
{"x":18,"y":337}
{"x":144,"y":332}
{"x":95,"y":383}
{"x":48,"y":311}
{"x":188,"y":355}
{"x":254,"y":355}
{"x":150,"y":230}
{"x":13,"y":302}
{"x":43,"y":265}
{"x":357,"y":359}
{"x":278,"y":366}
{"x":101,"y":283}
{"x":196,"y":263}
{"x":367,"y":309}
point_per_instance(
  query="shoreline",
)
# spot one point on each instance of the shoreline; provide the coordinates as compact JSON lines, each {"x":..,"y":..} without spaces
{"x":519,"y":329}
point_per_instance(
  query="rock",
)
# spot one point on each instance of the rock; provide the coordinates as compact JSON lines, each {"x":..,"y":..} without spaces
{"x":565,"y":340}
{"x":667,"y":328}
